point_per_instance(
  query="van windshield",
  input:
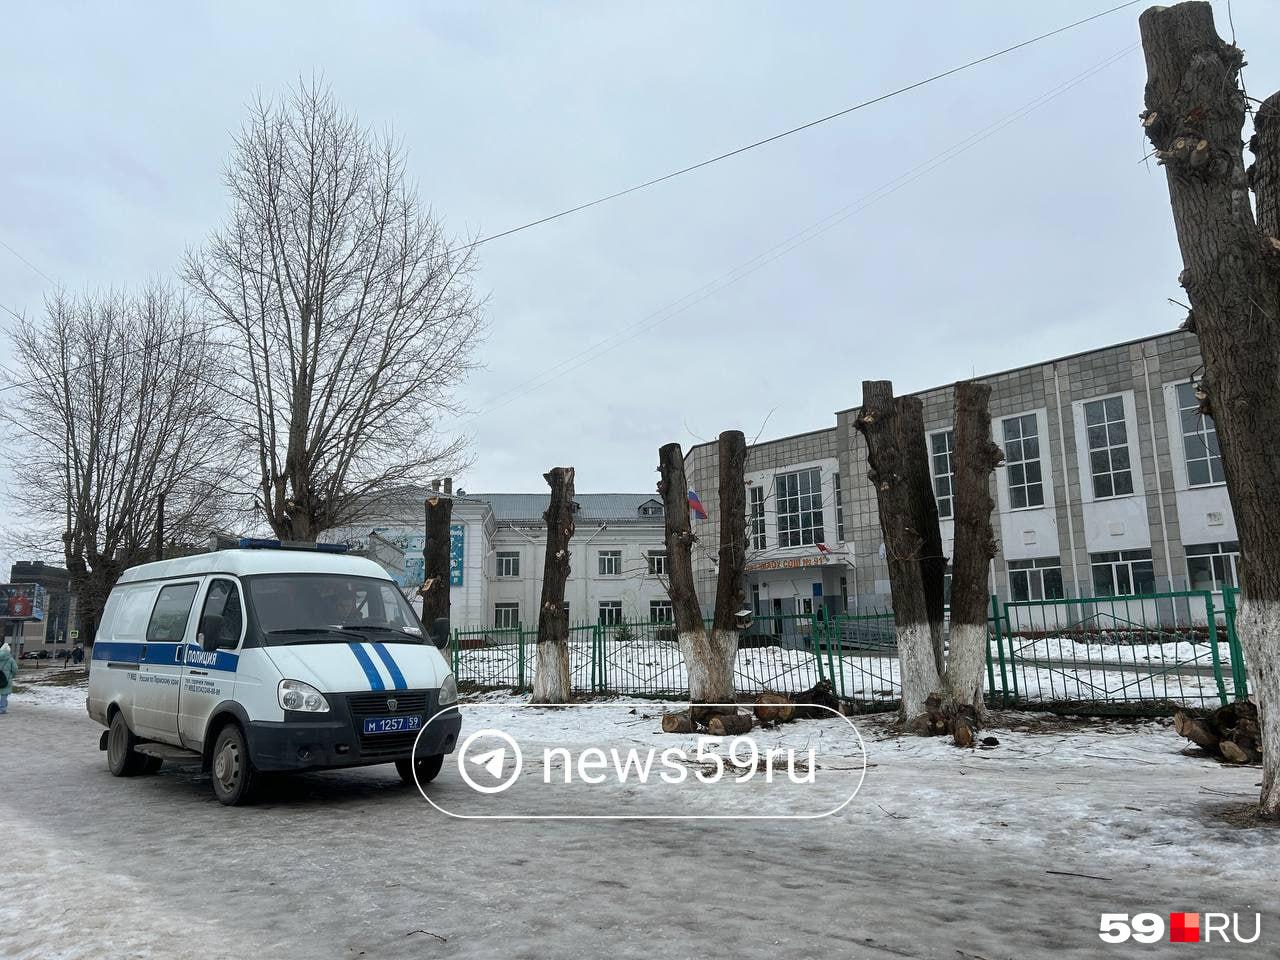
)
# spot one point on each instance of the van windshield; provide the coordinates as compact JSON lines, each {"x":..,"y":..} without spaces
{"x":321,"y":607}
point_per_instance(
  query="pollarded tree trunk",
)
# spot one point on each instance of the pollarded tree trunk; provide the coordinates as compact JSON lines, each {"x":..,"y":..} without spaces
{"x":730,"y":599}
{"x":972,"y":460}
{"x":903,"y":545}
{"x":708,"y":682}
{"x":1194,"y":115}
{"x":551,"y":676}
{"x":435,"y":562}
{"x":914,"y":451}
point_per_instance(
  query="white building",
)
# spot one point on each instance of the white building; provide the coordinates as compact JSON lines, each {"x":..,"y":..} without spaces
{"x":617,"y":556}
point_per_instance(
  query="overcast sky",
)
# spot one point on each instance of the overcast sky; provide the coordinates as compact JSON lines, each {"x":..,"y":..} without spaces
{"x":1049,"y":237}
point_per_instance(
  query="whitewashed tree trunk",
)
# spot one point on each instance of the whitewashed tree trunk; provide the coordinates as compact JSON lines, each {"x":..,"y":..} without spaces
{"x":551,"y":682}
{"x":1258,"y":626}
{"x":917,"y":669}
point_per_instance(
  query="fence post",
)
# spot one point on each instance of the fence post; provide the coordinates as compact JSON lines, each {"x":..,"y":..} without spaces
{"x":991,"y":673}
{"x":519,"y":658}
{"x":1212,"y":620}
{"x":1004,"y":677}
{"x":599,"y":634}
{"x":816,"y":643}
{"x":1238,"y":673}
{"x":831,"y":664}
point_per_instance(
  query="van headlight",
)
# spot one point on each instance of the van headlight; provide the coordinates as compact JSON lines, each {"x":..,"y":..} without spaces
{"x":448,"y":691}
{"x":301,"y":697}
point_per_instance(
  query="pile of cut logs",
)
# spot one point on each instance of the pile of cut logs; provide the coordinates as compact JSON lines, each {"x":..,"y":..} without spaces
{"x":769,"y":710}
{"x":1230,"y":732}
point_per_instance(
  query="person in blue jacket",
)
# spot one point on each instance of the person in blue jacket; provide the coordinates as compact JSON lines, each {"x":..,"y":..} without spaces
{"x":8,"y":670}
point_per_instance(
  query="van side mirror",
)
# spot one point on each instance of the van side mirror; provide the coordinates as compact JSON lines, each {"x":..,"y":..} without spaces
{"x":440,"y":632}
{"x":210,"y":632}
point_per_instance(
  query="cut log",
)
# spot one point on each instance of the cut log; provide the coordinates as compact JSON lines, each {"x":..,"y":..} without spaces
{"x":1230,"y":751}
{"x":677,"y":722}
{"x":1196,"y":729}
{"x":729,"y":726}
{"x":702,"y":713}
{"x":774,"y":708}
{"x":809,"y":703}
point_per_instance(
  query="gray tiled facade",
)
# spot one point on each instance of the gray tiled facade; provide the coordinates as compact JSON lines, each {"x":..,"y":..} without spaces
{"x":1107,"y":533}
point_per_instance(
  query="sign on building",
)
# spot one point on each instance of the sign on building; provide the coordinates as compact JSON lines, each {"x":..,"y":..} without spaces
{"x":457,"y":549}
{"x":22,"y":601}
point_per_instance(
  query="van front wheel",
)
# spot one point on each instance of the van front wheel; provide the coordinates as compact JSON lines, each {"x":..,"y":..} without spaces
{"x":122,"y":759}
{"x":234,"y":778}
{"x":428,"y":768}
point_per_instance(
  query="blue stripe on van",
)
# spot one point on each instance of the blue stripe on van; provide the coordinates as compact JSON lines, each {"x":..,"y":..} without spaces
{"x":392,"y":667}
{"x":164,"y":655}
{"x":370,"y":671}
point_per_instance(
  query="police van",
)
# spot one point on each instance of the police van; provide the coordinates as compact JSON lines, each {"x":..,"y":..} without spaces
{"x":272,"y":657}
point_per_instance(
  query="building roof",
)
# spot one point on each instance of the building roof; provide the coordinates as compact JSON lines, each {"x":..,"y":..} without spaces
{"x":985,"y":376}
{"x":598,"y":507}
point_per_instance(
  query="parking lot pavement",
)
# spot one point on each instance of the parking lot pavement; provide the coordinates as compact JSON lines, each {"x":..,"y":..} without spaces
{"x":939,"y":856}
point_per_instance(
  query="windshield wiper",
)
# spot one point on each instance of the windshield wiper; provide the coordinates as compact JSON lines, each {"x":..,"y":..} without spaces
{"x":383,"y":628}
{"x":319,"y":632}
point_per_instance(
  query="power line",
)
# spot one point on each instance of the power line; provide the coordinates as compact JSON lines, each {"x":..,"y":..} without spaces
{"x":674,"y":308}
{"x":30,"y":264}
{"x":786,"y":133}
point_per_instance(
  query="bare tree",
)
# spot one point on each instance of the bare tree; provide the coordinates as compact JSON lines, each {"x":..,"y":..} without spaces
{"x":551,"y":678}
{"x":974,"y":457}
{"x":351,"y":319}
{"x":1195,"y":112}
{"x":437,"y":561}
{"x":904,"y":542}
{"x":709,"y":655}
{"x":116,"y":409}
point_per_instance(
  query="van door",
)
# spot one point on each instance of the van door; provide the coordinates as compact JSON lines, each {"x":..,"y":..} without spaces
{"x":160,"y":662}
{"x":209,"y":676}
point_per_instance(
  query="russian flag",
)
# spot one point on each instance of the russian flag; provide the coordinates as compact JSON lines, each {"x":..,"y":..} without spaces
{"x":823,"y":548}
{"x":696,"y":506}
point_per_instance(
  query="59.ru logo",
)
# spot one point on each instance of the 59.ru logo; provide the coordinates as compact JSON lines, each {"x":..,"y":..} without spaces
{"x":1183,"y":927}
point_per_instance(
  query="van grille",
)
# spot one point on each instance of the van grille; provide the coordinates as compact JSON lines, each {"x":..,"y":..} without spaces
{"x":375,"y":704}
{"x":389,"y":745}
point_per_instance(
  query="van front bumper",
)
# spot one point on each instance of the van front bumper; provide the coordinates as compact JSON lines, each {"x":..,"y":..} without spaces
{"x":335,"y":739}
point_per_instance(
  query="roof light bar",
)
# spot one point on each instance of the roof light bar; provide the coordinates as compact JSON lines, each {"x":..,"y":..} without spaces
{"x":262,"y":543}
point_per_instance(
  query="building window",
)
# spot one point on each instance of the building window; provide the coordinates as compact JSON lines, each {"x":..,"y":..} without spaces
{"x":506,"y":616}
{"x":1022,"y":461}
{"x":1108,"y":448}
{"x":1036,"y":579}
{"x":839,"y":510}
{"x":657,"y":563}
{"x":651,"y":510}
{"x":610,"y":612}
{"x":610,"y":563}
{"x":1199,"y":440}
{"x":1123,"y":573}
{"x":755,"y":530}
{"x":660,"y":611}
{"x":941,"y":445}
{"x":799,"y":508}
{"x":509,"y":564}
{"x":1212,"y":566}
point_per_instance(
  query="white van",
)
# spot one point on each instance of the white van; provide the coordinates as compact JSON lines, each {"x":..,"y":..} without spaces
{"x":268,"y":659}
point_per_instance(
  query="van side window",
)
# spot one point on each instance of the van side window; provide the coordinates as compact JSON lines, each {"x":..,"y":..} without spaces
{"x":223,"y":599}
{"x":169,"y":616}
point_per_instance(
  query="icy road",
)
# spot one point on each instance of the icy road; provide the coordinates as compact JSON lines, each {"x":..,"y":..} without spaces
{"x":944,"y":854}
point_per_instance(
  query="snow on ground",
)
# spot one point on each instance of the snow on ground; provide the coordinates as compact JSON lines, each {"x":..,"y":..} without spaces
{"x":1008,"y":851}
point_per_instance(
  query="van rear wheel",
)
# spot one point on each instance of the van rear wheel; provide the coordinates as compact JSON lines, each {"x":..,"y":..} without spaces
{"x":122,"y":759}
{"x":428,"y":768}
{"x":234,"y":777}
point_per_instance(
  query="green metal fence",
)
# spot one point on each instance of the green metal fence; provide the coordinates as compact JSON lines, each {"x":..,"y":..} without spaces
{"x":1146,"y":653}
{"x":1143,"y":654}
